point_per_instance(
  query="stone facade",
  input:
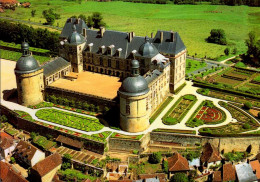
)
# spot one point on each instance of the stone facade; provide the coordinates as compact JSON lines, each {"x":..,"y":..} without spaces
{"x":30,"y":87}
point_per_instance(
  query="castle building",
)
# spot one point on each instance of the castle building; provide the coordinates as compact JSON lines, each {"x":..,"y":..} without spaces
{"x":148,"y":69}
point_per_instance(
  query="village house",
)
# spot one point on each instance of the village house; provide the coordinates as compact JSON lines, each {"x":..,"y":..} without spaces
{"x":7,"y":146}
{"x":177,"y":163}
{"x":9,"y":174}
{"x":45,"y":170}
{"x":210,"y":156}
{"x":8,"y":4}
{"x":227,"y":173}
{"x":256,"y":168}
{"x":28,"y":154}
{"x":117,"y":170}
{"x":157,"y":177}
{"x":245,"y":172}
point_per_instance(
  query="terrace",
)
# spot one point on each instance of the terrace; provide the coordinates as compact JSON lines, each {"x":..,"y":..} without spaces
{"x":91,"y":83}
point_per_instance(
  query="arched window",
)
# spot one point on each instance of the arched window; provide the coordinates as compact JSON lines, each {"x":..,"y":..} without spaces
{"x":127,"y":109}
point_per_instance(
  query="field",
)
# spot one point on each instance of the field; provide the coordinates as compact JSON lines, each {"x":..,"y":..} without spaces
{"x":68,"y":119}
{"x":193,"y":22}
{"x":193,"y":65}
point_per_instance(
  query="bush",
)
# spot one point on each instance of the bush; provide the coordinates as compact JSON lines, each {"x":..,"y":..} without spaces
{"x":227,"y":51}
{"x":246,"y":126}
{"x":217,"y":36}
{"x":155,"y":158}
{"x":165,"y":166}
{"x":247,"y":105}
{"x":179,"y":177}
{"x":12,"y":160}
{"x":135,"y":151}
{"x":170,"y":121}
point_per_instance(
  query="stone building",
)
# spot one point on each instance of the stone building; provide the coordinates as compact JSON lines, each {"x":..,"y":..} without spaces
{"x":148,"y":69}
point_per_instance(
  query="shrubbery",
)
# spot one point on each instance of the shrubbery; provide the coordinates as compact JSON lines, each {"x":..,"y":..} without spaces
{"x":170,"y":121}
{"x":217,"y":36}
{"x":155,"y":158}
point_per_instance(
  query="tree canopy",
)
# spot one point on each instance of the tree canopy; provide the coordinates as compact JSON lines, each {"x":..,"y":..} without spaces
{"x":217,"y":36}
{"x":179,"y":177}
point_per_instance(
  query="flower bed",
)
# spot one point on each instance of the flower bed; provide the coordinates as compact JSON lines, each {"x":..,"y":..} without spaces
{"x":131,"y":137}
{"x":69,"y":119}
{"x":206,"y":113}
{"x":178,"y":111}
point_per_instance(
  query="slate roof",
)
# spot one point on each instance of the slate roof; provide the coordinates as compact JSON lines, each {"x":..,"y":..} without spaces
{"x":217,"y":176}
{"x":48,"y":164}
{"x":70,"y":142}
{"x":68,"y":27}
{"x":26,"y":149}
{"x":7,"y":174}
{"x":152,"y":76}
{"x":178,"y":163}
{"x":229,"y":172}
{"x":256,"y":167}
{"x":54,"y":66}
{"x":245,"y":172}
{"x":210,"y":154}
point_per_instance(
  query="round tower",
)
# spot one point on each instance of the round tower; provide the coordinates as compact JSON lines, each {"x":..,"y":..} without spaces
{"x":133,"y":93}
{"x":29,"y":78}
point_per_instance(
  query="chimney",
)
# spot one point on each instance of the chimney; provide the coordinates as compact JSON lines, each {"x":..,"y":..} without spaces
{"x":152,"y":35}
{"x":161,"y":37}
{"x":102,"y":31}
{"x":172,"y":36}
{"x":119,"y":51}
{"x":103,"y":49}
{"x":133,"y":53}
{"x":85,"y":32}
{"x":90,"y":47}
{"x":77,"y":20}
{"x":111,"y":47}
{"x":131,"y":36}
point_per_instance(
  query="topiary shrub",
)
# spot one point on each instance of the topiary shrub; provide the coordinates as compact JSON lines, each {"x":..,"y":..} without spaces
{"x":247,"y":105}
{"x":170,"y":121}
{"x":246,"y":126}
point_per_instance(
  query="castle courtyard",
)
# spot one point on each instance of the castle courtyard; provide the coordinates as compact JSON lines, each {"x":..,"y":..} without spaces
{"x":91,"y":83}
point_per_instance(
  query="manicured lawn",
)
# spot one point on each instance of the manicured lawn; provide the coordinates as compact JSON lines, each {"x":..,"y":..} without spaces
{"x":193,"y":65}
{"x":69,"y":119}
{"x":193,"y":22}
{"x":14,"y":56}
{"x":160,"y":109}
{"x":178,"y":111}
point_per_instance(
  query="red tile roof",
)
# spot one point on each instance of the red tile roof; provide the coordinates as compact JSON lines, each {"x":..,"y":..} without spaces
{"x":256,"y":167}
{"x":210,"y":154}
{"x":178,"y":163}
{"x":26,"y":149}
{"x":229,"y":172}
{"x":6,"y":143}
{"x":48,"y":164}
{"x":161,"y":176}
{"x":4,"y":135}
{"x":1,"y":10}
{"x":8,"y":1}
{"x":217,"y":176}
{"x":7,"y":174}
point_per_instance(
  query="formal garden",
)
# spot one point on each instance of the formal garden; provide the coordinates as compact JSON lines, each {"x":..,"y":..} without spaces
{"x":70,"y":120}
{"x":244,"y":123}
{"x":163,"y":130}
{"x":43,"y":142}
{"x":178,"y":111}
{"x":131,"y":137}
{"x":206,"y":113}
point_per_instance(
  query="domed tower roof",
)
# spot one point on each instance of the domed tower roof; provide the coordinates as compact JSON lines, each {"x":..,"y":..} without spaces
{"x":75,"y":37}
{"x":147,"y":49}
{"x":26,"y":63}
{"x":135,"y":85}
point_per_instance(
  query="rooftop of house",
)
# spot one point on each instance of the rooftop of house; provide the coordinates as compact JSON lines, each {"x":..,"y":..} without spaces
{"x":6,"y":143}
{"x":210,"y":154}
{"x":48,"y":164}
{"x":158,"y":176}
{"x":4,"y":135}
{"x":70,"y":141}
{"x":229,"y":172}
{"x":91,"y":83}
{"x":217,"y":176}
{"x":178,"y":163}
{"x":256,"y":167}
{"x":26,"y":149}
{"x":54,"y":66}
{"x":8,"y":2}
{"x":245,"y":172}
{"x":8,"y":174}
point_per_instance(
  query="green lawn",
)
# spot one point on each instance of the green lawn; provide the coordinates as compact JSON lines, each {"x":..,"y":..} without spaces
{"x":193,"y":65}
{"x":14,"y":56}
{"x":69,"y":119}
{"x":193,"y":22}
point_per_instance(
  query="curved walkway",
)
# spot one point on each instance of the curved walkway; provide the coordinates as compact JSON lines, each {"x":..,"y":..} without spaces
{"x":188,"y":89}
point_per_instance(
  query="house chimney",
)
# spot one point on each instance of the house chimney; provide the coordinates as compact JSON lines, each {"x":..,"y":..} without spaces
{"x":172,"y":36}
{"x":152,"y":35}
{"x":102,"y":31}
{"x":77,"y":20}
{"x":111,"y":47}
{"x":131,"y":36}
{"x":133,"y":53}
{"x":103,"y":49}
{"x":119,"y":51}
{"x":85,"y":32}
{"x":90,"y":47}
{"x":161,"y":37}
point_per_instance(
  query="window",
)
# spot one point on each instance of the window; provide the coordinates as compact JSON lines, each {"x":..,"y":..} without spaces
{"x":147,"y":106}
{"x":109,"y":62}
{"x":117,"y":64}
{"x":79,"y":48}
{"x":101,"y":61}
{"x":127,"y":109}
